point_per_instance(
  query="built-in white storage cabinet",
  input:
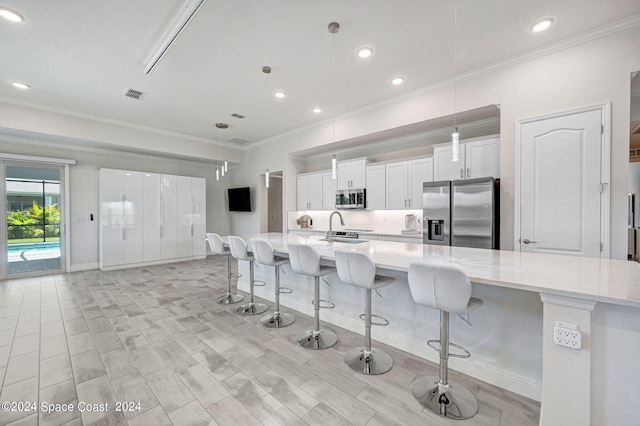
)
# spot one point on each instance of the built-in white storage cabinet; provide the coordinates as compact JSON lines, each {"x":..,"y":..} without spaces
{"x":121,"y":218}
{"x":478,"y":158}
{"x":150,"y":218}
{"x":404,"y":181}
{"x":376,"y":184}
{"x":352,"y":174}
{"x":309,"y":191}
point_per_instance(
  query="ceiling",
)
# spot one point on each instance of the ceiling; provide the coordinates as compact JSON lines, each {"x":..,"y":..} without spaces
{"x":80,"y":57}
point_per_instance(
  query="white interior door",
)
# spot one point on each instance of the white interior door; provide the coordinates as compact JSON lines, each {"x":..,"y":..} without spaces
{"x":560,"y":184}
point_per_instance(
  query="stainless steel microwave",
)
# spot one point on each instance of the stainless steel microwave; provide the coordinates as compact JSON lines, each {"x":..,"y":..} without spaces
{"x":351,"y":198}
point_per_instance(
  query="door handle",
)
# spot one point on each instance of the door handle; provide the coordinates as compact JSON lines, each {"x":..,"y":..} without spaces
{"x":462,"y":173}
{"x":528,"y":241}
{"x":468,"y":172}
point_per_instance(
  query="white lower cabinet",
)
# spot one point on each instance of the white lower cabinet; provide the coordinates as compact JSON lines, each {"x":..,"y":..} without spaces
{"x":149,"y":218}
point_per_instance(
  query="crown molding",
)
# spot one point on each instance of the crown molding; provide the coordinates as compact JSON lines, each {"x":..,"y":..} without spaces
{"x":587,"y":36}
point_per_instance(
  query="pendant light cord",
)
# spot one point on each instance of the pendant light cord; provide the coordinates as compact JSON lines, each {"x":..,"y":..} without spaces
{"x":333,"y":83}
{"x":455,"y":63}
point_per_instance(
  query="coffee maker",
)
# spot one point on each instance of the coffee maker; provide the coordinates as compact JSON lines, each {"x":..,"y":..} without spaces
{"x":410,"y":222}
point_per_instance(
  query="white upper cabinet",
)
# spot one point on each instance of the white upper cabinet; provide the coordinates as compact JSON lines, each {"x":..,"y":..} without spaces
{"x":329,"y":187}
{"x":352,"y":174}
{"x":420,"y":171}
{"x":404,"y":181}
{"x":309,"y":191}
{"x":483,"y":158}
{"x":376,"y":184}
{"x":396,"y":187}
{"x":478,"y":158}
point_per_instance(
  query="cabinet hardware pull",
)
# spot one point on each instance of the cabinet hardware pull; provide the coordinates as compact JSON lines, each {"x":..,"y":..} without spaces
{"x":124,"y":218}
{"x":468,"y":172}
{"x":528,"y":241}
{"x":461,"y":173}
{"x":161,"y":228}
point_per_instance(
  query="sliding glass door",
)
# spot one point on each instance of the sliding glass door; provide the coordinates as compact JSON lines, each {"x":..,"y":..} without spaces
{"x":33,"y":199}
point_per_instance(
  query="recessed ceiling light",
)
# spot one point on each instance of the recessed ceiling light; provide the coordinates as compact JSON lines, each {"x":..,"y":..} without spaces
{"x":541,"y":25}
{"x":365,"y":52}
{"x":317,"y":110}
{"x":20,"y":85}
{"x":279,"y":94}
{"x":397,"y":80}
{"x":11,"y":15}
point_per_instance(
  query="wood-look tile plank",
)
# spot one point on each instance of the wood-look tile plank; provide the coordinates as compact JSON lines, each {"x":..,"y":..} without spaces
{"x":191,"y":414}
{"x":135,"y":389}
{"x":231,"y":412}
{"x":356,"y":411}
{"x":169,"y":389}
{"x":203,"y":385}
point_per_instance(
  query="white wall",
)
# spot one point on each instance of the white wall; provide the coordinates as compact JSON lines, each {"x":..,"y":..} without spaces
{"x":83,"y":181}
{"x":594,"y":72}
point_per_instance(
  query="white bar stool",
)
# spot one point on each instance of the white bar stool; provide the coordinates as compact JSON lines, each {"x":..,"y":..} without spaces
{"x":239,"y":250}
{"x":358,"y":269}
{"x":306,"y":260}
{"x":265,"y":255}
{"x":447,"y":288}
{"x":216,"y":243}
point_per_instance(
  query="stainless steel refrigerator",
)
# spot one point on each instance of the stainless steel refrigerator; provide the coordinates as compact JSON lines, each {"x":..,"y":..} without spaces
{"x":462,"y":213}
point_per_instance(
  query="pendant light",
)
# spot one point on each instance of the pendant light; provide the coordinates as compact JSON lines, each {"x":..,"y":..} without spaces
{"x":333,"y":28}
{"x":217,"y":151}
{"x":224,"y":127}
{"x":266,"y":70}
{"x":455,"y":135}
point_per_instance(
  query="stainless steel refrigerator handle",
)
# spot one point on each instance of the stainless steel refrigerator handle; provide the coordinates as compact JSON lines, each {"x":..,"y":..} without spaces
{"x":528,"y":241}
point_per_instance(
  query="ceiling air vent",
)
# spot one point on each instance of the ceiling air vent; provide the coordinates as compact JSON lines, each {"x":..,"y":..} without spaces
{"x":238,"y":141}
{"x":236,"y":115}
{"x":134,"y":94}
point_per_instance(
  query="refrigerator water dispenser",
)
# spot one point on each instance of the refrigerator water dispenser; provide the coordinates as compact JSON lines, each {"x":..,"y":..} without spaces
{"x":436,"y":229}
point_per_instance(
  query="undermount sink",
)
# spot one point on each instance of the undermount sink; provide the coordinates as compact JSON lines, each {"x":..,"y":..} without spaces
{"x":345,"y":240}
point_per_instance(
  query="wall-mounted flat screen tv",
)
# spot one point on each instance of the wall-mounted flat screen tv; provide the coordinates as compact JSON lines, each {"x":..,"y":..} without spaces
{"x":239,"y":199}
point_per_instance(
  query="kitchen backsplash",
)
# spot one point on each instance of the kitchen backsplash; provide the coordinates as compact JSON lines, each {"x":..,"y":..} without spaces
{"x":379,"y":221}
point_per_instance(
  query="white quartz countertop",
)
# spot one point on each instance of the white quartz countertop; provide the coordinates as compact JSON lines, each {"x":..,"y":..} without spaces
{"x":361,"y":233}
{"x":603,"y":280}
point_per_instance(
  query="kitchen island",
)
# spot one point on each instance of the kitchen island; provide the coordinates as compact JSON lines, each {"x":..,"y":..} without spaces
{"x":511,"y":339}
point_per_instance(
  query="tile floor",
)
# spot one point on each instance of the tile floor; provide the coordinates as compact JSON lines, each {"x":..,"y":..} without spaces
{"x":155,"y":337}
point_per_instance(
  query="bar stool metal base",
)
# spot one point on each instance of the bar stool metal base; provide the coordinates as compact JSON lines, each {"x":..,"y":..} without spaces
{"x":311,"y":339}
{"x":457,"y":402}
{"x":277,"y":320}
{"x":230,"y":298}
{"x":251,"y":309}
{"x":365,"y":362}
